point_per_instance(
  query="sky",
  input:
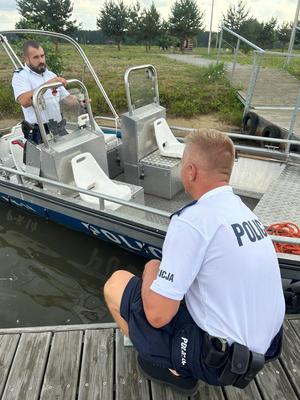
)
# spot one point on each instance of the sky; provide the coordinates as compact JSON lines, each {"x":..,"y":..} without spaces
{"x":86,"y":11}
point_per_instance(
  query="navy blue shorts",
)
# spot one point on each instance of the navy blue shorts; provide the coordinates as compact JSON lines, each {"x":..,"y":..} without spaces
{"x":176,"y":345}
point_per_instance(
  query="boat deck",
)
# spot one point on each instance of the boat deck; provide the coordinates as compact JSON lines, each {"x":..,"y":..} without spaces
{"x":91,"y":362}
{"x":280,"y":203}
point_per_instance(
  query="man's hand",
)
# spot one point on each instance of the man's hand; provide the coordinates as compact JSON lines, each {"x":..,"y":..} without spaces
{"x":58,"y":79}
{"x":25,"y":99}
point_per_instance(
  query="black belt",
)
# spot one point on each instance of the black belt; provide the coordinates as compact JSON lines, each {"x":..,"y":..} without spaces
{"x":236,"y":364}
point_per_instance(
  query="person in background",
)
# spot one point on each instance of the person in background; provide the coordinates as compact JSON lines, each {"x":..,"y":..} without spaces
{"x":25,"y":80}
{"x":213,"y":307}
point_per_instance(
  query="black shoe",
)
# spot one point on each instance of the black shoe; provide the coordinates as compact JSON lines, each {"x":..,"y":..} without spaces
{"x":185,"y":385}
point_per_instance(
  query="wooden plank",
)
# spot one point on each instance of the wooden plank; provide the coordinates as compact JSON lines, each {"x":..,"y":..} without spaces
{"x":295,"y":323}
{"x":160,"y":391}
{"x":96,"y":378}
{"x":28,"y":367}
{"x":62,"y":371}
{"x":249,"y":393}
{"x":8,"y":345}
{"x":274,"y":384}
{"x":208,"y":392}
{"x":59,"y":328}
{"x":130,"y":384}
{"x":290,"y":355}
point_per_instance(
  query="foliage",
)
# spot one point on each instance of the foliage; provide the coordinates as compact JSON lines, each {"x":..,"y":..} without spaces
{"x":165,"y":39}
{"x":51,"y":15}
{"x":236,"y":15}
{"x":114,"y":20}
{"x":186,"y":20}
{"x":284,"y":33}
{"x":267,"y":35}
{"x":8,"y":106}
{"x":150,"y":25}
{"x":215,"y":71}
{"x":185,"y":90}
{"x":134,"y":21}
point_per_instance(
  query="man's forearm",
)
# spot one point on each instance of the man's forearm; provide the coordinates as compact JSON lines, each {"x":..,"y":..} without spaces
{"x":149,"y":275}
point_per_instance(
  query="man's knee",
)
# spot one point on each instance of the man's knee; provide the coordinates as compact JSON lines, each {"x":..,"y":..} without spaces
{"x":115,"y":286}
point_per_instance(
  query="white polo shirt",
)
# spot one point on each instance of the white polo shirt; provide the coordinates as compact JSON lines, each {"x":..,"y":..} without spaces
{"x":26,"y":80}
{"x":217,"y":254}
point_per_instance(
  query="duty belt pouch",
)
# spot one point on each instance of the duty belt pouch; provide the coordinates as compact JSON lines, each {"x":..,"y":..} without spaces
{"x":28,"y":130}
{"x":212,"y":356}
{"x":256,"y":363}
{"x":236,"y":366}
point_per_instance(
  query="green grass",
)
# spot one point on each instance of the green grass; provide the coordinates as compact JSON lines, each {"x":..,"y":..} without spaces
{"x":266,"y":60}
{"x":185,"y":90}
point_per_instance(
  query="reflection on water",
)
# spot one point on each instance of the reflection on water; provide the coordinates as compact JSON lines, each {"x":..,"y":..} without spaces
{"x":50,"y":275}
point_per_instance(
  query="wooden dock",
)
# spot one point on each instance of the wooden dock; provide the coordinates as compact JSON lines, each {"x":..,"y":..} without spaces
{"x":274,"y":97}
{"x":90,"y":362}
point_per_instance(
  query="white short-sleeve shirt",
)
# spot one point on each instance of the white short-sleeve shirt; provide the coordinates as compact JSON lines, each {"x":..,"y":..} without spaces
{"x":25,"y":80}
{"x":218,"y":255}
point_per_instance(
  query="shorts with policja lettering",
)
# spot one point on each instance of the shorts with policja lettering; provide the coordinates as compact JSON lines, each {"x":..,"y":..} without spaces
{"x":176,"y":345}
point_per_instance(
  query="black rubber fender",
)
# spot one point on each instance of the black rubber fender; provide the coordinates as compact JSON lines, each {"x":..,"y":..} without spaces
{"x":250,"y":123}
{"x":271,"y":131}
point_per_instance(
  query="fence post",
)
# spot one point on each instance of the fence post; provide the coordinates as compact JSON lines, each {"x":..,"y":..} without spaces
{"x":236,"y":50}
{"x":252,"y":84}
{"x":293,"y":122}
{"x":220,"y":44}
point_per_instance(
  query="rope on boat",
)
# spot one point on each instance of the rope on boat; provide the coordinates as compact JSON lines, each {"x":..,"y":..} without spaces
{"x":288,"y":229}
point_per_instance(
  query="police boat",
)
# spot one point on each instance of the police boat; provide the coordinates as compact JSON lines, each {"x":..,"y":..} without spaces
{"x":121,"y":190}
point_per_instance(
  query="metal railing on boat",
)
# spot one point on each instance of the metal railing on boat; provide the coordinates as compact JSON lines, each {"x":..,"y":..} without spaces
{"x":101,"y":197}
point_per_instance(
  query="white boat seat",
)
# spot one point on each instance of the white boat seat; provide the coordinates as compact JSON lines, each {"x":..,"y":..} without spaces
{"x":167,"y":144}
{"x":90,"y":176}
{"x":16,"y":147}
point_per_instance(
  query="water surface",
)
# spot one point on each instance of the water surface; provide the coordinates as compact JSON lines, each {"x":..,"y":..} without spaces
{"x":50,"y":275}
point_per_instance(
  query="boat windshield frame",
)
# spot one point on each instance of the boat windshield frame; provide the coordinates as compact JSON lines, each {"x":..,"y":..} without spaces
{"x":36,"y":104}
{"x":18,"y":64}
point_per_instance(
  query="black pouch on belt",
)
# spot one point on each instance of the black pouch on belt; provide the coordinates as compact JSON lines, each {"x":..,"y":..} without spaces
{"x":214,"y":350}
{"x":27,"y":129}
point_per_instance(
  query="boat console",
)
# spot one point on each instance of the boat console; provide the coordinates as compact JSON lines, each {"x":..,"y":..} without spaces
{"x":144,"y":163}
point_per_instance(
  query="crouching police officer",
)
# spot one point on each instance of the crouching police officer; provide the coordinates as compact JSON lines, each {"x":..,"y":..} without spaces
{"x":219,"y":259}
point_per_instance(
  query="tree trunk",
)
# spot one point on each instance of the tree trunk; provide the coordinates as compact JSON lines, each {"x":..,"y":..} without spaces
{"x":182,"y":46}
{"x":119,"y":46}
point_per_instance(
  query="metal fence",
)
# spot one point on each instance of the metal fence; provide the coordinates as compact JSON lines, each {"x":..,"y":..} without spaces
{"x":259,"y":57}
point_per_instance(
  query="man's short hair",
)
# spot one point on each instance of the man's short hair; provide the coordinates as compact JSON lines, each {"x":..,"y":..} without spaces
{"x":30,"y":43}
{"x":215,"y":147}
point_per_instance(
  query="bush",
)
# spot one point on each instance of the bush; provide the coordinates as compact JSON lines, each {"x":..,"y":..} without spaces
{"x":8,"y":107}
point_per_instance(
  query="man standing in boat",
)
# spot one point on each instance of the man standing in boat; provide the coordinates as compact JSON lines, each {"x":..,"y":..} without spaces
{"x":25,"y":80}
{"x":213,"y":308}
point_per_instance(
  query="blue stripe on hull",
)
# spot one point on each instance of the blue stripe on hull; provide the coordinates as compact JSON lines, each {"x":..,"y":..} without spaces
{"x":126,"y":242}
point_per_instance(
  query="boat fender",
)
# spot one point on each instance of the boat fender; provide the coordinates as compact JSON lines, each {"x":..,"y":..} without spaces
{"x":250,"y":123}
{"x":271,"y":131}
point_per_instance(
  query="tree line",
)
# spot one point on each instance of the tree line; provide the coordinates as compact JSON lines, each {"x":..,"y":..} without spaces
{"x":119,"y":23}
